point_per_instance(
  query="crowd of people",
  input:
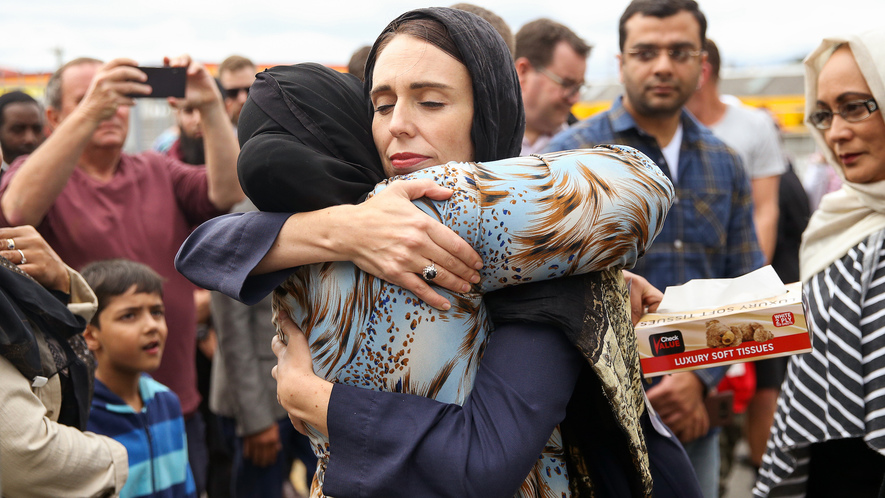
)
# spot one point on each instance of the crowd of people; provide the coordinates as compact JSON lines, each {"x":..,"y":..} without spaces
{"x":420,"y":277}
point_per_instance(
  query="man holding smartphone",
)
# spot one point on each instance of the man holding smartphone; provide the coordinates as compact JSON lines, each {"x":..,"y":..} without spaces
{"x":91,"y":201}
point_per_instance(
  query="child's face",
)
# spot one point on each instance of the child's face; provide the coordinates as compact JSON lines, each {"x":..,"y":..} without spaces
{"x":131,"y":333}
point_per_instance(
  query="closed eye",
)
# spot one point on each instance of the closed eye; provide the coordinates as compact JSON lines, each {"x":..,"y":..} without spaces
{"x":384,"y":109}
{"x":432,"y":105}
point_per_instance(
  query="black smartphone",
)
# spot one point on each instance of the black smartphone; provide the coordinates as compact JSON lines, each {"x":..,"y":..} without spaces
{"x":164,"y":82}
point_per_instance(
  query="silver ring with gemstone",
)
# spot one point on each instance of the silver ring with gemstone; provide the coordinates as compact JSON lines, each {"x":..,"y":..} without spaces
{"x":24,"y":259}
{"x":429,"y":272}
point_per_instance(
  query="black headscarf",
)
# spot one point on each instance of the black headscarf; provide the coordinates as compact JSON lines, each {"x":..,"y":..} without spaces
{"x":306,"y":140}
{"x":498,"y":113}
{"x":27,"y":310}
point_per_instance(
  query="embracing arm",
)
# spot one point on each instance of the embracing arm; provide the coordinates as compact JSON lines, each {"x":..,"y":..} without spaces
{"x":246,"y":255}
{"x":544,"y":217}
{"x":430,"y":448}
{"x":389,"y":237}
{"x":222,"y":252}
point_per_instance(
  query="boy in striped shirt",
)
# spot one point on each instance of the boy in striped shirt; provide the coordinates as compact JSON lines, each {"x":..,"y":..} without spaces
{"x":127,"y":336}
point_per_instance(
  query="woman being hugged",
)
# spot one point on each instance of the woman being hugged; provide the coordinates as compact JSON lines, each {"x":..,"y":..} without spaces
{"x":828,"y":437}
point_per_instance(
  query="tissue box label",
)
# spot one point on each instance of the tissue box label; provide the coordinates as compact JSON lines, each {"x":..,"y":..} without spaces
{"x":783,"y":319}
{"x":675,"y":342}
{"x":667,"y":343}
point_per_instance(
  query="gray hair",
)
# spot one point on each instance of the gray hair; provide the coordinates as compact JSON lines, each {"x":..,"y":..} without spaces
{"x":53,"y":87}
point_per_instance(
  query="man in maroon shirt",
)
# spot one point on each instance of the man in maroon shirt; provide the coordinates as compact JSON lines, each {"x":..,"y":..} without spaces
{"x":91,"y":201}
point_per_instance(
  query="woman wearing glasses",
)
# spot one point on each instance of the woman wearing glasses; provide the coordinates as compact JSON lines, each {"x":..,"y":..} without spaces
{"x":828,"y":437}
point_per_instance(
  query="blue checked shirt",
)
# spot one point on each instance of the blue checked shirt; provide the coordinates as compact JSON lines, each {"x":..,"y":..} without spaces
{"x":709,"y":232}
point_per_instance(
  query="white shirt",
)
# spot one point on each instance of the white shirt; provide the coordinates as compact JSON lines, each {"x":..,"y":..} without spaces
{"x":540,"y":143}
{"x":671,"y":152}
{"x":752,"y":134}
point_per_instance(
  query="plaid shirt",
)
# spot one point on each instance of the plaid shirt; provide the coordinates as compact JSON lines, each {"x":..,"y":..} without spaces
{"x":709,"y":232}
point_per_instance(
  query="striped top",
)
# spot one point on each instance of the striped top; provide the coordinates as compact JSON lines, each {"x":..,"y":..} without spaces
{"x":154,"y":438}
{"x":837,"y":390}
{"x":531,"y":219}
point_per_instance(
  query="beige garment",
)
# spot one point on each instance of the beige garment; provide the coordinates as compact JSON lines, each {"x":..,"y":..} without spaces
{"x":40,"y":457}
{"x":83,"y":300}
{"x":847,"y":216}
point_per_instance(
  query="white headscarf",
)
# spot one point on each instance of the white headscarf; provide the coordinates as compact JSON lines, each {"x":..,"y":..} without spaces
{"x":847,"y":216}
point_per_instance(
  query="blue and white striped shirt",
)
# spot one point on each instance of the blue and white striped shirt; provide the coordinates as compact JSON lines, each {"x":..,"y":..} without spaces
{"x":154,"y":438}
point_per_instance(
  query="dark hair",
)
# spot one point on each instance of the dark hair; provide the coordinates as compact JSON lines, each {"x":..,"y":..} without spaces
{"x":15,"y":97}
{"x":114,"y":277}
{"x":713,"y":58}
{"x":495,"y":20}
{"x":536,"y":41}
{"x":498,"y":112}
{"x":429,"y":30}
{"x":53,"y":87}
{"x":660,"y":9}
{"x":357,"y":64}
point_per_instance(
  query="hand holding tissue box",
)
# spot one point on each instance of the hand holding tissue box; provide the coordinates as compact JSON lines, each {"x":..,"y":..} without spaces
{"x":712,"y":322}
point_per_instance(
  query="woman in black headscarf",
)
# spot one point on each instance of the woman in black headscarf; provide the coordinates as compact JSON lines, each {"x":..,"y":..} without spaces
{"x":592,"y":329}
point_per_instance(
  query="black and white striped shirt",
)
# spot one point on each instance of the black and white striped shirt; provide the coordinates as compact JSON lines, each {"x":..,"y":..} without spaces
{"x":837,"y":390}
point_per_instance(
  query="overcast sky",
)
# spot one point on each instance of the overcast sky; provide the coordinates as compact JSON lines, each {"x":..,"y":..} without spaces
{"x":748,"y":32}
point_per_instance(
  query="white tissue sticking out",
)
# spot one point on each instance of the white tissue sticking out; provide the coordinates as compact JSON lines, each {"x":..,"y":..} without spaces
{"x":716,"y":292}
{"x":39,"y":381}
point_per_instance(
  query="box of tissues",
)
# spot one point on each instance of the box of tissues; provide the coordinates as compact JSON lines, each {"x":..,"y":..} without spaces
{"x":711,"y":322}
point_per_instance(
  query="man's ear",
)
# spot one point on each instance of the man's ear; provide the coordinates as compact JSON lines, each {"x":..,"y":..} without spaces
{"x":704,"y":77}
{"x":706,"y":71}
{"x":523,"y":67}
{"x":53,"y":117}
{"x":92,"y":334}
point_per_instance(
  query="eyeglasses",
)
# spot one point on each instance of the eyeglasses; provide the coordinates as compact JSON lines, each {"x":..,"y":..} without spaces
{"x":569,"y":88}
{"x":679,"y":55}
{"x":854,"y":111}
{"x":233,"y":93}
